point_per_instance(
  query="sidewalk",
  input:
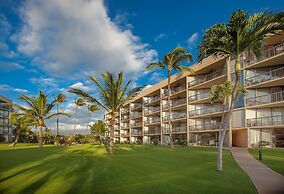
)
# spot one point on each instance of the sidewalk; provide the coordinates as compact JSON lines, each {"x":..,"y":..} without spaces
{"x":265,"y":180}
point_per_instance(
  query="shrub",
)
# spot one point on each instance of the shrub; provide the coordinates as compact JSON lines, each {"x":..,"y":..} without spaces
{"x":182,"y":142}
{"x":155,"y":141}
{"x":2,"y":138}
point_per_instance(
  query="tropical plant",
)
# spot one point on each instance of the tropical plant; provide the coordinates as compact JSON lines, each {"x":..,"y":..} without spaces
{"x":99,"y":128}
{"x":38,"y":108}
{"x":113,"y":96}
{"x":91,"y":108}
{"x":58,"y":100}
{"x":19,"y":122}
{"x":78,"y":102}
{"x":172,"y":61}
{"x":243,"y":33}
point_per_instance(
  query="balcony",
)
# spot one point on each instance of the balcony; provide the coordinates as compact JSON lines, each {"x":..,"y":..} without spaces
{"x":175,"y":129}
{"x":125,"y":119}
{"x":124,"y":111}
{"x":153,"y":121}
{"x":152,"y":110}
{"x":125,"y":126}
{"x":266,"y":121}
{"x":269,"y":53}
{"x":207,"y":77}
{"x":152,"y":100}
{"x":198,"y":96}
{"x":4,"y":106}
{"x":178,"y":89}
{"x":205,"y":127}
{"x":124,"y":134}
{"x":175,"y":103}
{"x":265,"y":99}
{"x":135,"y":114}
{"x":153,"y":131}
{"x":136,"y":124}
{"x":136,"y":106}
{"x":136,"y":132}
{"x":206,"y":111}
{"x":265,"y":77}
{"x":175,"y":116}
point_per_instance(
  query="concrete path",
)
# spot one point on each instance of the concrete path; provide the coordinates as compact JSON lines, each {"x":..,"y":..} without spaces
{"x":265,"y":180}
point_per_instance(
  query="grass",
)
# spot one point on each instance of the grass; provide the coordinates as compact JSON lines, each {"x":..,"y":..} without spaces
{"x":273,"y":158}
{"x":133,"y":169}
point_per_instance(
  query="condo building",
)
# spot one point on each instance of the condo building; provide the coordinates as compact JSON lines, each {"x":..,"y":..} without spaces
{"x":195,"y":120}
{"x":5,"y":110}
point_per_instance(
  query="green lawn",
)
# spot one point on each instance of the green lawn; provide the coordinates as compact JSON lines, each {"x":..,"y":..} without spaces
{"x":133,"y":169}
{"x":273,"y":158}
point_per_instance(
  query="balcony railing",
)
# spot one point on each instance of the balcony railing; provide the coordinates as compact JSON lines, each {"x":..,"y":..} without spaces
{"x":136,"y":106}
{"x":266,"y":121}
{"x":203,"y":111}
{"x":152,"y":99}
{"x":125,"y":119}
{"x":175,"y":129}
{"x":265,"y":99}
{"x":152,"y":110}
{"x":198,"y":96}
{"x":125,"y":126}
{"x":136,"y":124}
{"x":135,"y":114}
{"x":266,"y":76}
{"x":136,"y":132}
{"x":175,"y":103}
{"x":207,"y":77}
{"x":174,"y":116}
{"x":271,"y":52}
{"x":153,"y":131}
{"x":178,"y":89}
{"x":124,"y":111}
{"x":124,"y":134}
{"x":205,"y":126}
{"x":152,"y":121}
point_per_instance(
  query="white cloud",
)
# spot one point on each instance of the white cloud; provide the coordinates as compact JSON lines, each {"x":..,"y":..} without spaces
{"x":160,"y":36}
{"x":10,"y":66}
{"x":10,"y":88}
{"x":81,"y":86}
{"x":42,"y":81}
{"x":193,"y":38}
{"x":78,"y":37}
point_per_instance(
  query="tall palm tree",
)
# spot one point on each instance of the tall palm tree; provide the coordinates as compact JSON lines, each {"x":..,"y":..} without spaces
{"x":38,"y":108}
{"x":19,"y":122}
{"x":172,"y":61}
{"x":243,"y":33}
{"x":78,"y":102}
{"x":99,"y":129}
{"x":91,"y":108}
{"x":113,"y":96}
{"x":58,"y":100}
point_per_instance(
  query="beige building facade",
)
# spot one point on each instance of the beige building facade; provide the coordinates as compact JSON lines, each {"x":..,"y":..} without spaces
{"x":258,"y":115}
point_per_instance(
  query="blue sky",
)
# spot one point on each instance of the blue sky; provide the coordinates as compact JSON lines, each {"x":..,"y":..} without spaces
{"x":52,"y":45}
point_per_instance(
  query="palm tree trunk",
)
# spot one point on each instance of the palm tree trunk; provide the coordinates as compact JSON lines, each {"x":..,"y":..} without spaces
{"x":40,"y":140}
{"x":170,"y":109}
{"x":16,"y":140}
{"x":111,"y":144}
{"x":220,"y":144}
{"x":57,"y":120}
{"x":75,"y":122}
{"x":228,"y":116}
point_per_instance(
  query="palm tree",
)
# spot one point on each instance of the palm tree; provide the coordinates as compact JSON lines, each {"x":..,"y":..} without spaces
{"x":243,"y":33}
{"x":58,"y":100}
{"x":38,"y":108}
{"x":172,"y":61}
{"x":98,"y":129}
{"x":78,"y":102}
{"x":19,"y":122}
{"x":91,"y":108}
{"x":113,"y":96}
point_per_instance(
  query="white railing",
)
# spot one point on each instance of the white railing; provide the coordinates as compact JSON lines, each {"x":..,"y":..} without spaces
{"x":203,"y":111}
{"x":266,"y":54}
{"x":265,"y":99}
{"x":266,"y":76}
{"x":207,"y":77}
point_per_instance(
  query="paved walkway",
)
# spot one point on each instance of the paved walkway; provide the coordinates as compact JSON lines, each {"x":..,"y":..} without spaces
{"x":265,"y":180}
